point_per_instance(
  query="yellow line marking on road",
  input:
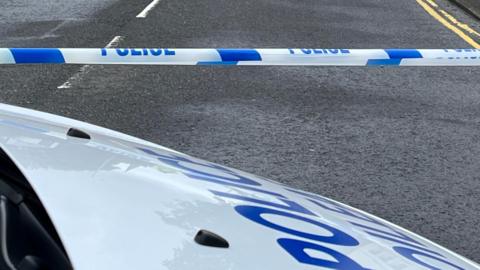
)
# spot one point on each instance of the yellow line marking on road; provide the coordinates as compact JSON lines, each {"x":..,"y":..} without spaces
{"x":460,"y":24}
{"x":430,"y":10}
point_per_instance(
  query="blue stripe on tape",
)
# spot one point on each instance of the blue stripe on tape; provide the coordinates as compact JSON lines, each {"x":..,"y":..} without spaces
{"x":233,"y":55}
{"x":37,"y":56}
{"x":403,"y":53}
{"x":384,"y":62}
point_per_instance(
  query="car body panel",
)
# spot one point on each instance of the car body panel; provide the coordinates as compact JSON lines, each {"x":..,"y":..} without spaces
{"x":119,"y":202}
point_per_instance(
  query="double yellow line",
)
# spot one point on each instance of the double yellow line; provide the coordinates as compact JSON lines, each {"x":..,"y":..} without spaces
{"x":462,"y":30}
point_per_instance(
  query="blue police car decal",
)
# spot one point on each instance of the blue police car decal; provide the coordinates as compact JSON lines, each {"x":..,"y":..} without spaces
{"x":405,"y":246}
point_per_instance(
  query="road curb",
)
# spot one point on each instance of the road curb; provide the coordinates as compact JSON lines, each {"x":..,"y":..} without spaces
{"x":471,"y":6}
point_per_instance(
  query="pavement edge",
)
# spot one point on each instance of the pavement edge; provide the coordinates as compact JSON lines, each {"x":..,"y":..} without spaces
{"x":471,"y":6}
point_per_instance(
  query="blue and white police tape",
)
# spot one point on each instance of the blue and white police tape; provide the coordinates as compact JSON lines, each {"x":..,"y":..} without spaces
{"x":254,"y":57}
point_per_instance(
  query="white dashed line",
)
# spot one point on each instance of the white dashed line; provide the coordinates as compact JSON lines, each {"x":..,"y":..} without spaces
{"x":52,"y":31}
{"x":114,"y":43}
{"x":86,"y":68}
{"x":145,"y":12}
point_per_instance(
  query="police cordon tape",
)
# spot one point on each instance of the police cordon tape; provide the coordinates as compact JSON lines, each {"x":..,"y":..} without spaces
{"x":254,"y":57}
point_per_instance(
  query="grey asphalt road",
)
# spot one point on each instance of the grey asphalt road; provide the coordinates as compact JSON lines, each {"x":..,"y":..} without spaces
{"x":400,"y":143}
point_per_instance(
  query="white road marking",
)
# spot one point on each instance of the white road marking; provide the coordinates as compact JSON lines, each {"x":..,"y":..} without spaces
{"x":86,"y":68}
{"x":52,"y":31}
{"x":145,"y":12}
{"x":114,"y":42}
{"x":68,"y":84}
{"x":48,"y":34}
